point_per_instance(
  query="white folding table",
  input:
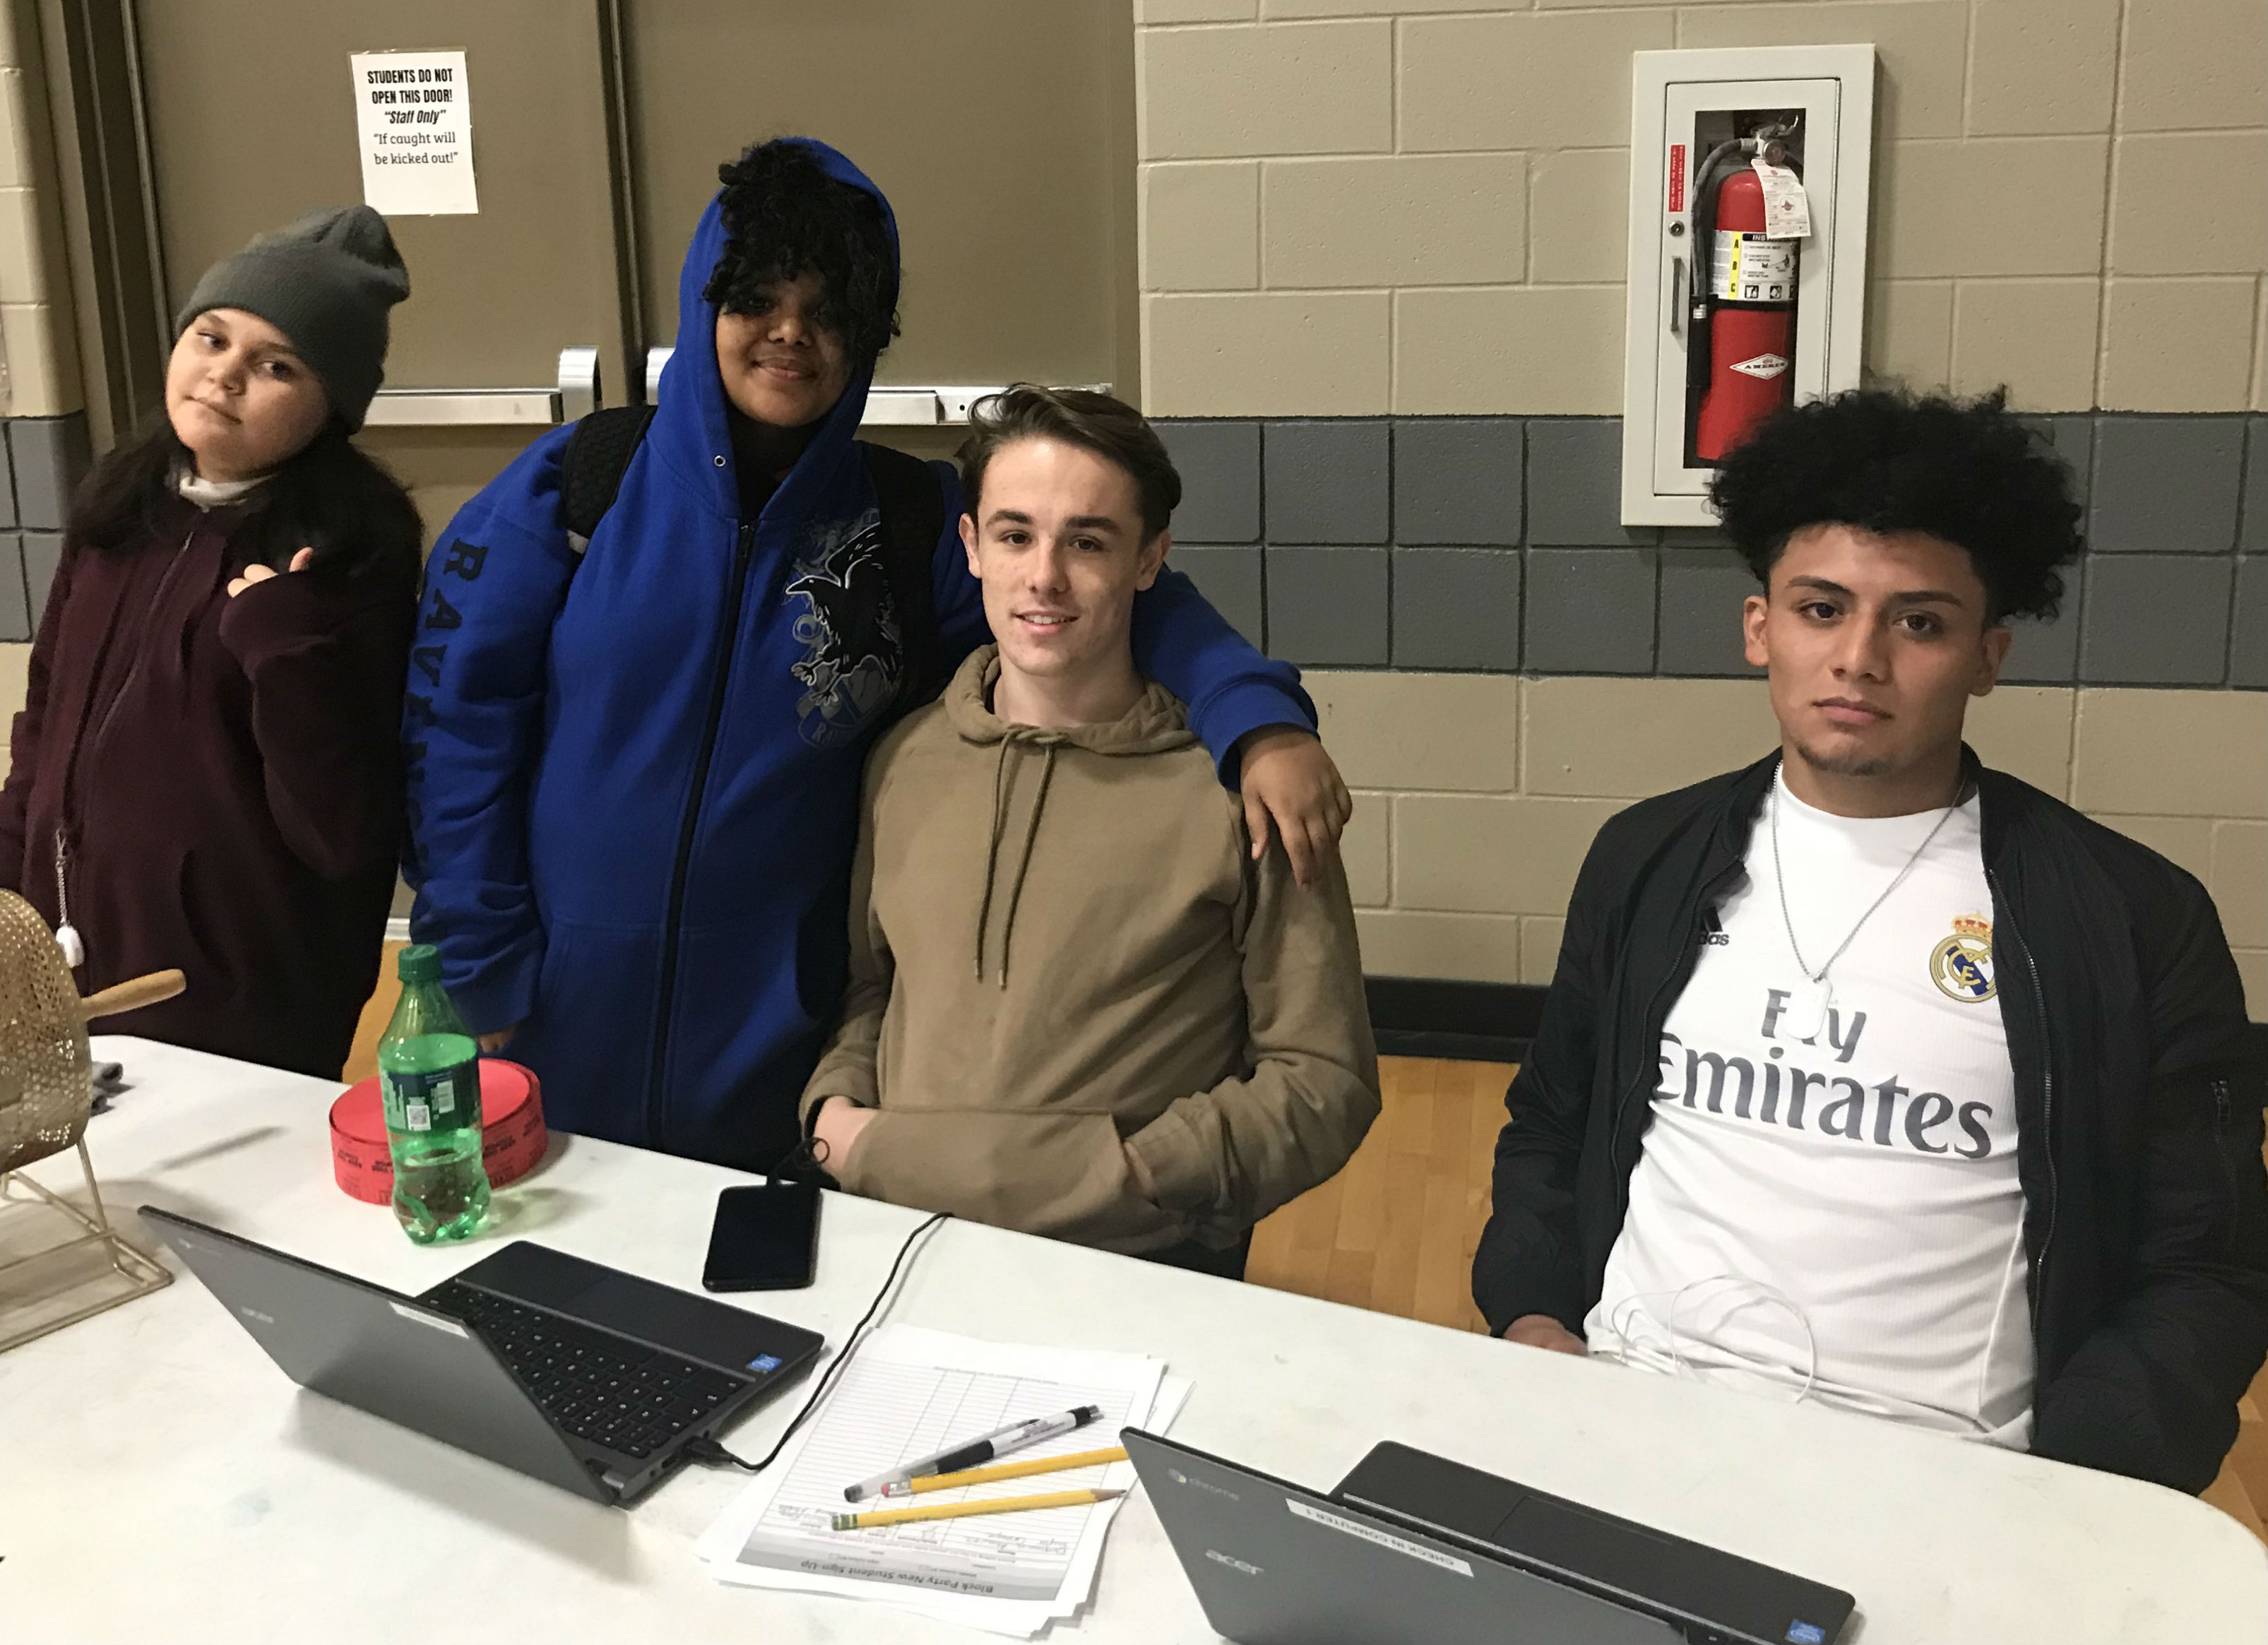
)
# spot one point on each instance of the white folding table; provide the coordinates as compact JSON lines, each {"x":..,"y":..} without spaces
{"x":160,"y":1478}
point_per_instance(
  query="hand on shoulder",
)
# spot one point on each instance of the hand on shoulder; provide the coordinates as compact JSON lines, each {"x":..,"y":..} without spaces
{"x":1285,"y":775}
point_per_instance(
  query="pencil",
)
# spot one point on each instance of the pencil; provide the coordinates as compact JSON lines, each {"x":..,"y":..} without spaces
{"x":1007,"y":1470}
{"x":963,"y":1511}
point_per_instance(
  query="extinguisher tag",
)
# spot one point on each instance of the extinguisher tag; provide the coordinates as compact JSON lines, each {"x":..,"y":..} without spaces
{"x":1751,"y":268}
{"x":1787,"y":208}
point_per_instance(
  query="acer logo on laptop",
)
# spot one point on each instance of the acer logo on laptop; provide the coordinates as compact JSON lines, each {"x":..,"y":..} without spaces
{"x":253,"y":1313}
{"x":1179,"y":1477}
{"x":1234,"y":1564}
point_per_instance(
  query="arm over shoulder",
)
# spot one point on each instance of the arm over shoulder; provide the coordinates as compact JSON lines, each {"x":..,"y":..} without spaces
{"x":1188,"y":647}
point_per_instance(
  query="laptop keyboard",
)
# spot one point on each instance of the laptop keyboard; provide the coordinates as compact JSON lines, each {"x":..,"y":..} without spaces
{"x":599,"y":1387}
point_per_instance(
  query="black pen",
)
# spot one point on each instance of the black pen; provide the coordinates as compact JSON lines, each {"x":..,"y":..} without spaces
{"x":974,"y":1453}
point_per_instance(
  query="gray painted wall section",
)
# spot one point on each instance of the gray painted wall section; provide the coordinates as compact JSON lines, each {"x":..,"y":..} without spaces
{"x":1491,"y":544}
{"x":41,"y":460}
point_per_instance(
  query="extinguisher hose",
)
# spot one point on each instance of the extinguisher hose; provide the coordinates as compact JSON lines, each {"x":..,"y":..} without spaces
{"x":1702,"y":286}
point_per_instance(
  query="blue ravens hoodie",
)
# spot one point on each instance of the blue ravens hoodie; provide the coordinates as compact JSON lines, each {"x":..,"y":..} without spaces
{"x":634,"y":773}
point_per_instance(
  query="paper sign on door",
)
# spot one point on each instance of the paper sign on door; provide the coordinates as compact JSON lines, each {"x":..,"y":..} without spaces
{"x":414,"y":117}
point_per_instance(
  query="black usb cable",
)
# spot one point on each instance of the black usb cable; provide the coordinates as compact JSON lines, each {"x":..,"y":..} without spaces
{"x":709,"y":1451}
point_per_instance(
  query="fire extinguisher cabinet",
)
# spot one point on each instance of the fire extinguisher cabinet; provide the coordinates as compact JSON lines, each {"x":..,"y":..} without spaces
{"x":1738,"y":305}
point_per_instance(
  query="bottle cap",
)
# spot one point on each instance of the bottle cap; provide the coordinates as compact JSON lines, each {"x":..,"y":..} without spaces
{"x":421,"y":963}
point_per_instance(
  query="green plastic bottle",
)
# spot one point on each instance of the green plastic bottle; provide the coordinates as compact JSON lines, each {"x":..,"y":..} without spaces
{"x":429,"y":1072}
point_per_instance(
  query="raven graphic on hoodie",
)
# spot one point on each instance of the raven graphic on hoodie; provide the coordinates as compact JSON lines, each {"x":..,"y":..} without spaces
{"x":851,"y":628}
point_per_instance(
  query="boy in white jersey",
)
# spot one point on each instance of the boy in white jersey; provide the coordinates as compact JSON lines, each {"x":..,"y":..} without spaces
{"x":1872,"y":1076}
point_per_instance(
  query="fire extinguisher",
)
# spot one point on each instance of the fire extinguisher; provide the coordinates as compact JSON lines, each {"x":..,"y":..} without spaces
{"x":1740,"y":347}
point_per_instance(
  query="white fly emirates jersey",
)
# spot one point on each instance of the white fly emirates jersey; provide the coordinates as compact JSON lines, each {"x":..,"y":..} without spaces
{"x":1840,"y":1209}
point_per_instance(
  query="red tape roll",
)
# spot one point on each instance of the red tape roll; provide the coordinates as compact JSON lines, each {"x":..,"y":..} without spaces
{"x":512,"y":1137}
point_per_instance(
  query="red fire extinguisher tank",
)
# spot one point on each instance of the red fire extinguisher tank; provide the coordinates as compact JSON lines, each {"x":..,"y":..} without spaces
{"x":1751,"y":321}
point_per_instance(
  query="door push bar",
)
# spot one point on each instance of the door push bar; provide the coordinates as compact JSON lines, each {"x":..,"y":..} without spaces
{"x":577,"y":392}
{"x":885,"y":404}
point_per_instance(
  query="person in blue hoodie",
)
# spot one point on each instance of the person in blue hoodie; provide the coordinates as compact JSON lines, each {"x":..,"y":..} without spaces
{"x":634,"y":764}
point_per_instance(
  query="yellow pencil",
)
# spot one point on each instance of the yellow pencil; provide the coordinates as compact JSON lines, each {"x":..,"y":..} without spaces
{"x":963,"y":1511}
{"x":1007,"y":1470}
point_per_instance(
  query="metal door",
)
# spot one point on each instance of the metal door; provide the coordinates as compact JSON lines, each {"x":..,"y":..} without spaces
{"x":251,"y":120}
{"x":1002,"y":131}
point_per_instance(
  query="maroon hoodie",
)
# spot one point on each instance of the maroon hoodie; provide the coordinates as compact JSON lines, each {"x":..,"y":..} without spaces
{"x":223,"y":778}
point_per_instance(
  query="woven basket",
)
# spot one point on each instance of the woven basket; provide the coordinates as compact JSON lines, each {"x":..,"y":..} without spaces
{"x":46,"y":1075}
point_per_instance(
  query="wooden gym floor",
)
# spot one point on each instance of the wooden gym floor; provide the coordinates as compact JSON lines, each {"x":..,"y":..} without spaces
{"x":1396,"y":1230}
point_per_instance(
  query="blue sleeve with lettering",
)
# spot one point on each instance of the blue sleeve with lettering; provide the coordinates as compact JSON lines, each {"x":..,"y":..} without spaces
{"x":1179,"y":640}
{"x":472,"y":728}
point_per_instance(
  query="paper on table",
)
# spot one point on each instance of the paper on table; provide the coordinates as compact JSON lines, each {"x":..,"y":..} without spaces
{"x":1118,"y":1382}
{"x":808,"y":1484}
{"x":1025,"y":1619}
{"x":1079,"y":1587}
{"x":910,"y":1392}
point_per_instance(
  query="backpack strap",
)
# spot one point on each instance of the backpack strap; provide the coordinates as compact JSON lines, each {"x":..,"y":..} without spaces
{"x":591,"y":469}
{"x":912,"y":504}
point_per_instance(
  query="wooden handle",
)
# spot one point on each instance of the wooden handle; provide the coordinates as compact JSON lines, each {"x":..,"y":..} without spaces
{"x":132,"y":994}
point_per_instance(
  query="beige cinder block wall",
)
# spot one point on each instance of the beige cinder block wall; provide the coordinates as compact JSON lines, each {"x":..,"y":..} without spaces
{"x":1417,"y":207}
{"x":39,"y":359}
{"x":1358,"y":207}
{"x":39,"y":363}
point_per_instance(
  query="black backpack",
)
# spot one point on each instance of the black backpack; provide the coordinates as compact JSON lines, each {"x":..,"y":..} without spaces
{"x":912,"y":505}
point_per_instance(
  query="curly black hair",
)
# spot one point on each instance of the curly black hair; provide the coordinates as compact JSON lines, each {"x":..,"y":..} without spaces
{"x":1887,"y":460}
{"x":785,"y":216}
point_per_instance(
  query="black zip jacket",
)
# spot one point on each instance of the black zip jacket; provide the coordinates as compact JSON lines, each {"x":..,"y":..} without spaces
{"x":2139,"y":1098}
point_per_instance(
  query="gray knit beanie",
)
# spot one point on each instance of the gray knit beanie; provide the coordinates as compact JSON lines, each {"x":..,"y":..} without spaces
{"x":326,"y":282}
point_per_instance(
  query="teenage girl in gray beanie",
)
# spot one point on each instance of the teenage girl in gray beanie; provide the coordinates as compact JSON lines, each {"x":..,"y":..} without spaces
{"x":207,"y":770}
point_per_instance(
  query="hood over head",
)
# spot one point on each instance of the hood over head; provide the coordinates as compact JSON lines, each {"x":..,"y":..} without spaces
{"x":689,"y":426}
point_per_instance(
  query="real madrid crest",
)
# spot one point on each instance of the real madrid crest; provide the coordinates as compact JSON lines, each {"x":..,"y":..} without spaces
{"x":1962,"y":965}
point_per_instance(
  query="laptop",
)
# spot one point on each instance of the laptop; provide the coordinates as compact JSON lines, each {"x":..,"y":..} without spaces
{"x":1413,"y":1549}
{"x":585,"y":1377}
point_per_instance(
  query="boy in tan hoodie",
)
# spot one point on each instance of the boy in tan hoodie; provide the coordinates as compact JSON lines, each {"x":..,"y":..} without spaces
{"x":1083,"y":1003}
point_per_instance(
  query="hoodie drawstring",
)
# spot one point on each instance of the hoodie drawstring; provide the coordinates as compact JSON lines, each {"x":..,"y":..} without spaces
{"x":1024,"y":866}
{"x":992,"y":853}
{"x":1048,"y":744}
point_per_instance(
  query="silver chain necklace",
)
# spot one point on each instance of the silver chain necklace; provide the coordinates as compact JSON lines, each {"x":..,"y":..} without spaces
{"x":1807,"y":1013}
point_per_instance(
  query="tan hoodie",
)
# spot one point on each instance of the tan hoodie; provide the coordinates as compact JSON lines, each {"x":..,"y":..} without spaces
{"x":1061,"y":951}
